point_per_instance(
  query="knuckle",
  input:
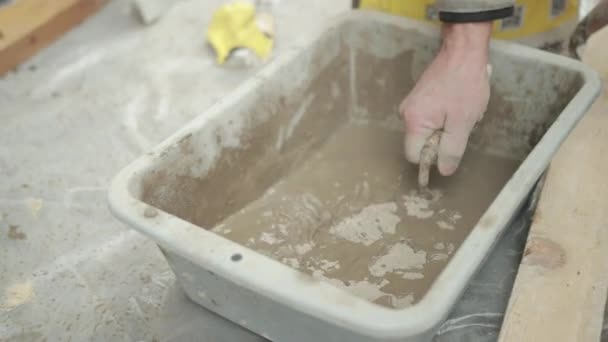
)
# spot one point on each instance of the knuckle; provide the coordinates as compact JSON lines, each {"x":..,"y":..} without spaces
{"x":412,"y":118}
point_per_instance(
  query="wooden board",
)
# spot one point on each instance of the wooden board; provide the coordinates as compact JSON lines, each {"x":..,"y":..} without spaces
{"x":26,"y":26}
{"x":560,"y":289}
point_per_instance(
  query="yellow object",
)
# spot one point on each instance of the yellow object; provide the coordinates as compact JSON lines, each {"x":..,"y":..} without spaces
{"x":234,"y":26}
{"x":531,"y":16}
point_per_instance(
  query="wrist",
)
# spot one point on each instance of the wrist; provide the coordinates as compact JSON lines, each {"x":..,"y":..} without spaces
{"x":466,"y":40}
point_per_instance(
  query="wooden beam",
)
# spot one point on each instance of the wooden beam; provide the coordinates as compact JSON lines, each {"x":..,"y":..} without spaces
{"x":26,"y":26}
{"x":560,"y":289}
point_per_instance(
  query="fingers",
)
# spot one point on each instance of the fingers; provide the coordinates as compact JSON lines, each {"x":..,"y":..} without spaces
{"x":453,"y":144}
{"x":415,"y":138}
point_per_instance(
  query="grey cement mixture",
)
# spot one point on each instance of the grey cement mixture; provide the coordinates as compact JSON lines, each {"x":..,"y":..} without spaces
{"x":352,"y":215}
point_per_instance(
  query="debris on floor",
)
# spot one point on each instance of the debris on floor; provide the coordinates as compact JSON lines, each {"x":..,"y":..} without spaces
{"x":242,"y":33}
{"x":150,"y":11}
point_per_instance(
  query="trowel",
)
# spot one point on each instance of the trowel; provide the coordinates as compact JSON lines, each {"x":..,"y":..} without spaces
{"x":428,"y":158}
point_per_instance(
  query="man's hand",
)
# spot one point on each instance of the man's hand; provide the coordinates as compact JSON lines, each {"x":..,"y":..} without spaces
{"x":451,"y":95}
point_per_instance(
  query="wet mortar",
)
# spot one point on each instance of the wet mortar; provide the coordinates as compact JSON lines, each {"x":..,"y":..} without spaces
{"x":352,"y":215}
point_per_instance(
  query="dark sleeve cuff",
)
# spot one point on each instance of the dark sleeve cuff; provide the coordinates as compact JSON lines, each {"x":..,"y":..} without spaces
{"x":476,"y":17}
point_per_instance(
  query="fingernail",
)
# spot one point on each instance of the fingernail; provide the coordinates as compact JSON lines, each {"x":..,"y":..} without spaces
{"x":448,"y":167}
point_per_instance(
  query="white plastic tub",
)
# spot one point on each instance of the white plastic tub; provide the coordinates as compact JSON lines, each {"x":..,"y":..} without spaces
{"x":234,"y":152}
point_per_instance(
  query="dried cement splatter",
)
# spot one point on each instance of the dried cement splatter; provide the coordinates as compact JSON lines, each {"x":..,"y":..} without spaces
{"x":419,"y":205}
{"x":269,"y":238}
{"x":400,"y":257}
{"x":412,"y":275}
{"x":439,"y":246}
{"x":449,"y":219}
{"x":439,"y":257}
{"x":327,"y":265}
{"x":445,"y":225}
{"x":451,"y":248}
{"x":303,"y":248}
{"x":318,"y":267}
{"x":404,"y":302}
{"x":369,"y":225}
{"x":454,"y":216}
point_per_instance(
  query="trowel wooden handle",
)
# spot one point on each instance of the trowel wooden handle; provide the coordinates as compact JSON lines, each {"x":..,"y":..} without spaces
{"x":428,"y":157}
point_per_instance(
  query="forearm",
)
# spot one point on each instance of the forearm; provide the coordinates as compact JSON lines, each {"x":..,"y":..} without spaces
{"x":470,"y":40}
{"x":467,"y":27}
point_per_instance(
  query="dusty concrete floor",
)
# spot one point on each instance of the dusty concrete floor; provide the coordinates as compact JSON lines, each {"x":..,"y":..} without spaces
{"x":76,"y":114}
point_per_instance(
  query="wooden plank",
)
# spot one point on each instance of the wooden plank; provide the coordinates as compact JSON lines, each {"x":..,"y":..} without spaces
{"x":26,"y":26}
{"x":560,"y":289}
